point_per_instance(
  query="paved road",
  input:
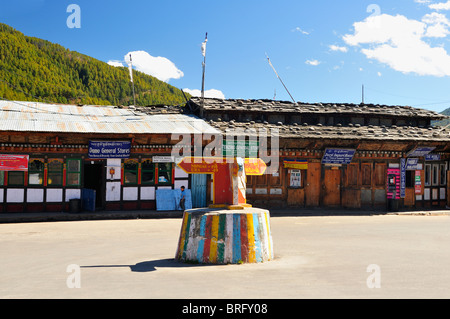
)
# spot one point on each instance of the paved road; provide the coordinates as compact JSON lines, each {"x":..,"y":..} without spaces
{"x":316,"y":257}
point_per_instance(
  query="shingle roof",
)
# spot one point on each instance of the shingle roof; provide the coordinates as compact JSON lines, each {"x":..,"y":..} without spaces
{"x":350,"y":132}
{"x":314,"y":108}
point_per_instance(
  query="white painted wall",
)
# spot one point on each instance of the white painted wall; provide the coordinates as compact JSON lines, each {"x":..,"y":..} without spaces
{"x":54,"y":195}
{"x":148,"y":193}
{"x":112,"y":191}
{"x":15,"y":195}
{"x":35,"y":195}
{"x":130,"y":193}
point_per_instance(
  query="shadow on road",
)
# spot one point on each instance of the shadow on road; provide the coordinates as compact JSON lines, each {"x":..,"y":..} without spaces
{"x":152,"y":265}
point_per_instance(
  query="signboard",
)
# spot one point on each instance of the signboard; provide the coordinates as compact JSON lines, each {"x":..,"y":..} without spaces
{"x":195,"y":165}
{"x":338,"y":156}
{"x":109,"y":149}
{"x":14,"y":162}
{"x":420,"y":151}
{"x":240,"y":148}
{"x":402,"y":178}
{"x":432,"y":157}
{"x":412,"y":164}
{"x":418,"y":183}
{"x":163,"y":159}
{"x":295,"y":164}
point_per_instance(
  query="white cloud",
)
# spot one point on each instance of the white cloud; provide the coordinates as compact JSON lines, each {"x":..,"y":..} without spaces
{"x":312,"y":62}
{"x":161,"y":68}
{"x":379,"y":74}
{"x":298,"y":29}
{"x":115,"y":63}
{"x":213,"y":93}
{"x":398,"y":42}
{"x":338,"y":48}
{"x":440,"y":6}
{"x":437,"y":25}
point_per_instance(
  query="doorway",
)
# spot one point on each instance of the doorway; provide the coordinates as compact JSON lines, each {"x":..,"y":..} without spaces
{"x":332,"y":187}
{"x":94,"y":178}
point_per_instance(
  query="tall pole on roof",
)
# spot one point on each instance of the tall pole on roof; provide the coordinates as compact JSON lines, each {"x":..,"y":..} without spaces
{"x":363,"y":94}
{"x":130,"y":67}
{"x":204,"y":66}
{"x":276,"y":73}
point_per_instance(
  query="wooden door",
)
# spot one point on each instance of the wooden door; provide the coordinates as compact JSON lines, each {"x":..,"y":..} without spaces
{"x":312,"y":188}
{"x":332,"y":187}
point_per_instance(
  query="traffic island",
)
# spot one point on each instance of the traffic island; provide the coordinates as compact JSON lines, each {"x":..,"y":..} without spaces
{"x":223,"y":236}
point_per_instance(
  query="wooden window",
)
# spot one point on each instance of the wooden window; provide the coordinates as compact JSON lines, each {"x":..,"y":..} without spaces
{"x":73,"y":172}
{"x":352,"y":175}
{"x":164,"y":173}
{"x":366,"y":174}
{"x":55,"y":172}
{"x":16,"y":178}
{"x":435,"y":175}
{"x":130,"y":172}
{"x":261,"y":180}
{"x":427,"y":174}
{"x":36,"y":172}
{"x":275,"y":179}
{"x":148,"y":172}
{"x":443,"y":175}
{"x":380,"y":174}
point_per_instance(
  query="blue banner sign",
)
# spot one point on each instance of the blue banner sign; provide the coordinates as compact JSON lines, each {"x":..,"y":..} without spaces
{"x":109,"y":149}
{"x":420,"y":151}
{"x":338,"y":156}
{"x":433,"y":157}
{"x":402,"y":177}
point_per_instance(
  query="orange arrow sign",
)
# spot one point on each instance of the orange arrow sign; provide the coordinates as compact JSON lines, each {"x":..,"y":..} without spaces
{"x":254,"y":166}
{"x":199,"y":165}
{"x":211,"y":165}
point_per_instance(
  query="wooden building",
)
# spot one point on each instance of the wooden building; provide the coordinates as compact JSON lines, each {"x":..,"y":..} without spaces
{"x":50,"y":154}
{"x":358,"y":156}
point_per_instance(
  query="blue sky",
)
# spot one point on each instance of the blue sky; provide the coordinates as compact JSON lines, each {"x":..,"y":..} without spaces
{"x":323,"y":50}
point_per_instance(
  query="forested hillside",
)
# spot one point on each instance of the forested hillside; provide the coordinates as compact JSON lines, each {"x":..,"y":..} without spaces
{"x":33,"y":69}
{"x":443,"y":122}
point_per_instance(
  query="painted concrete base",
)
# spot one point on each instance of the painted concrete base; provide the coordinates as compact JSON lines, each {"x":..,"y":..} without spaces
{"x":221,"y":236}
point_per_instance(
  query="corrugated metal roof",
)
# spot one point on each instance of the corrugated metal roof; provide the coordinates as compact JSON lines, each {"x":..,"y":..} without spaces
{"x":41,"y":117}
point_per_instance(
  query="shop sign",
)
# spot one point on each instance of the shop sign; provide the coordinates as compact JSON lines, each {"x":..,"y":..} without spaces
{"x":338,"y":156}
{"x":412,"y":164}
{"x":109,"y":149}
{"x":420,"y":151}
{"x":433,"y":157}
{"x":163,"y":159}
{"x":14,"y":162}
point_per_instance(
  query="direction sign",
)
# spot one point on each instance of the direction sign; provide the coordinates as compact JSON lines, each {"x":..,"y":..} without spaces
{"x":211,"y":165}
{"x":254,"y":166}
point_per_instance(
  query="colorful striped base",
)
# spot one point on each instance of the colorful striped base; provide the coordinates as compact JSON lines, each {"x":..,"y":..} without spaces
{"x":215,"y":236}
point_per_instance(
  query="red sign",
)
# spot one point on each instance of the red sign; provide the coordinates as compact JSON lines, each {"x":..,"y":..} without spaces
{"x":13,"y":162}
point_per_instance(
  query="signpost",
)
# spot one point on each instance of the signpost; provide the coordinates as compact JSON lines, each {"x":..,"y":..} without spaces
{"x":229,"y":186}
